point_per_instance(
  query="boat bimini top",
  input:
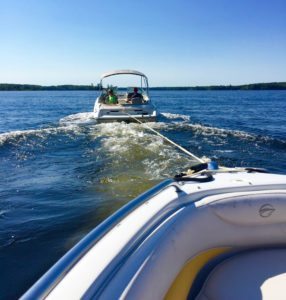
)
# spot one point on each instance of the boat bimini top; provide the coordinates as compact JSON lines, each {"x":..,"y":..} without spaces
{"x":119,"y":72}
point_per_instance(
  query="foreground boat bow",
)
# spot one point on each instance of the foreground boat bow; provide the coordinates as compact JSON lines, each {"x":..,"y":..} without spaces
{"x":179,"y":240}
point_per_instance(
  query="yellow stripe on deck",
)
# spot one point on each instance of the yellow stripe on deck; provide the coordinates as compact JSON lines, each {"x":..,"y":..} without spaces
{"x":182,"y":284}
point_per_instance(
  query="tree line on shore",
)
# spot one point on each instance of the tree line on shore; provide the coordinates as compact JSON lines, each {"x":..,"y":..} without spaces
{"x":69,"y":87}
{"x":33,"y":87}
{"x":254,"y":86}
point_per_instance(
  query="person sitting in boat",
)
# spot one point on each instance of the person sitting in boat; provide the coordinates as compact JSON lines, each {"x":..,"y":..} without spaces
{"x":111,"y":98}
{"x":135,"y":97}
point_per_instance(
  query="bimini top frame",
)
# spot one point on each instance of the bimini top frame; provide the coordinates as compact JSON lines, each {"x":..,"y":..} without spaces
{"x":126,"y":72}
{"x":119,"y":72}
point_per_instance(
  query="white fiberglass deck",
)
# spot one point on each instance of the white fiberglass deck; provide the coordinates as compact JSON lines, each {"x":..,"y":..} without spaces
{"x":136,"y":258}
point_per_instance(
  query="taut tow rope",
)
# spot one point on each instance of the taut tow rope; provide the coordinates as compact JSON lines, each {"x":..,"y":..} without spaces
{"x":167,"y":139}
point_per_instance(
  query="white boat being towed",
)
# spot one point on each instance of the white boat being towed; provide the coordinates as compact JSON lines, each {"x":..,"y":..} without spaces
{"x":128,"y":105}
{"x":214,"y":234}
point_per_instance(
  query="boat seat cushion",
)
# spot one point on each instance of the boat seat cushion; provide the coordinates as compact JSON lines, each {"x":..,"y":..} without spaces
{"x":251,"y":275}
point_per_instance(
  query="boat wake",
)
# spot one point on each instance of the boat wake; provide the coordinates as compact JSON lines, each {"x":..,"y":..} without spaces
{"x":86,"y":118}
{"x":122,"y":134}
{"x":200,"y":130}
{"x":19,"y":136}
{"x":176,"y":117}
{"x":119,"y":153}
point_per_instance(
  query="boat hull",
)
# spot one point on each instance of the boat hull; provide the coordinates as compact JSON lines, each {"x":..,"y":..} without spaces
{"x":123,"y":112}
{"x":172,"y":230}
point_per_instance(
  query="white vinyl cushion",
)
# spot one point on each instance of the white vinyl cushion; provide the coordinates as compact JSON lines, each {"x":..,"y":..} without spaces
{"x":253,"y":275}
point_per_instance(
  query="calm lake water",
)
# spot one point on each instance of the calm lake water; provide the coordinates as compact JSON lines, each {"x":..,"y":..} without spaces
{"x":61,"y":174}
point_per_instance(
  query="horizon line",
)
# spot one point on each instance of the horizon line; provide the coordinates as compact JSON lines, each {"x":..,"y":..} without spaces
{"x":161,"y":86}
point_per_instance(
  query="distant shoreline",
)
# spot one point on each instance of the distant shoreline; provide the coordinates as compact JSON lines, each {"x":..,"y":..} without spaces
{"x":67,"y":87}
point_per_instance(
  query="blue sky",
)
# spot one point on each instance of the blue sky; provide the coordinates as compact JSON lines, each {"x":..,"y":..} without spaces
{"x":175,"y":43}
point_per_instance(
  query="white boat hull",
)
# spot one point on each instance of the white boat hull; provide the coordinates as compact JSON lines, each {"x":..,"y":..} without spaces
{"x":124,"y":113}
{"x":176,"y":227}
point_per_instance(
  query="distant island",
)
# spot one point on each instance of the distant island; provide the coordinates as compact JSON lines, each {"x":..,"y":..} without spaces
{"x":68,"y":87}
